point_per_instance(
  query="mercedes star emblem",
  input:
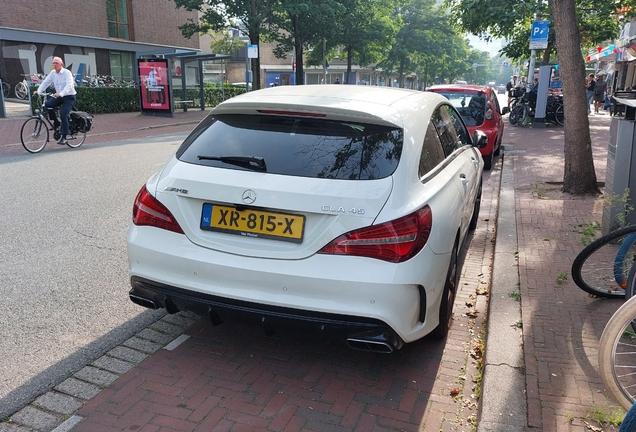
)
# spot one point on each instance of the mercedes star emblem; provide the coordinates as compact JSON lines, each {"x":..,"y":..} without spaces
{"x":249,"y":196}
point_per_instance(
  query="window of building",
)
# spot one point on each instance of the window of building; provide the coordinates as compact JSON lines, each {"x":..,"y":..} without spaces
{"x":121,"y":66}
{"x":118,"y":12}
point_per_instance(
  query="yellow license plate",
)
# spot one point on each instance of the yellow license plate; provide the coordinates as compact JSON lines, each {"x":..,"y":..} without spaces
{"x":253,"y":223}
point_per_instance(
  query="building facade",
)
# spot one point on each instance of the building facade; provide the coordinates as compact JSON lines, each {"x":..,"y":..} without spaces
{"x":93,"y":37}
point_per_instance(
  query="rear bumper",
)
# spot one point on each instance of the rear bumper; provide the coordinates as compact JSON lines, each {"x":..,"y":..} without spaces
{"x":359,"y":332}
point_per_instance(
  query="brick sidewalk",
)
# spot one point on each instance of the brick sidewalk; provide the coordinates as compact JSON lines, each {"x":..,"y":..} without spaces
{"x":561,"y":323}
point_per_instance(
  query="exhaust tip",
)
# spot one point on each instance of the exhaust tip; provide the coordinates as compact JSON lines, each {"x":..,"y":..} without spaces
{"x":142,"y":301}
{"x":369,"y":345}
{"x":382,"y":342}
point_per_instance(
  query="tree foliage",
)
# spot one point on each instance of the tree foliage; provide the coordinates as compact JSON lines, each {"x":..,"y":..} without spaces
{"x":297,"y":25}
{"x":569,"y":19}
{"x":245,"y":15}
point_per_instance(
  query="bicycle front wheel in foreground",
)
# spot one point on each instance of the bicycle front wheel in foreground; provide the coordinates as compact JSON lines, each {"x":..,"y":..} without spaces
{"x":603,"y":266}
{"x":76,"y":139}
{"x":34,"y":135}
{"x":617,"y":355}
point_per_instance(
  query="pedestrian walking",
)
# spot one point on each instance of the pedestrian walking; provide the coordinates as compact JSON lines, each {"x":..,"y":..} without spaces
{"x":589,"y":85}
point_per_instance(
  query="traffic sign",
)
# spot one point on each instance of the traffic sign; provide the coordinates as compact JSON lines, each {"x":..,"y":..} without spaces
{"x":539,"y":34}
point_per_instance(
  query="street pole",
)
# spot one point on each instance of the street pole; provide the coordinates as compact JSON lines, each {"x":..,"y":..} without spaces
{"x":533,"y":57}
{"x":324,"y":60}
{"x":247,"y":71}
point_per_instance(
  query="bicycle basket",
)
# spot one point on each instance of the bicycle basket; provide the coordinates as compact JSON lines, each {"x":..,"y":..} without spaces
{"x":83,"y":121}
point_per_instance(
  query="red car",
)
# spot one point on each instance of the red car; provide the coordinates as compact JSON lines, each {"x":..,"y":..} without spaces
{"x":479,"y":108}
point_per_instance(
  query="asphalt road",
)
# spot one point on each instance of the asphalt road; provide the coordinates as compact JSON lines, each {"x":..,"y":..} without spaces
{"x":64,"y":272}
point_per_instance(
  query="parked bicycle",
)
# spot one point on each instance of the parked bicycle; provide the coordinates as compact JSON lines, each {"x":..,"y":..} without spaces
{"x":22,"y":88}
{"x":35,"y":131}
{"x":523,"y":110}
{"x":603,"y":267}
{"x":6,"y":89}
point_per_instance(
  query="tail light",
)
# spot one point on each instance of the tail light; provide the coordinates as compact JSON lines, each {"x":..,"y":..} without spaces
{"x":147,"y":210}
{"x":395,"y":241}
{"x":489,"y":114}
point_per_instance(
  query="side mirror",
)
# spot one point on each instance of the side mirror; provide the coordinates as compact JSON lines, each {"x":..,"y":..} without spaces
{"x":480,"y":139}
{"x":505,"y":110}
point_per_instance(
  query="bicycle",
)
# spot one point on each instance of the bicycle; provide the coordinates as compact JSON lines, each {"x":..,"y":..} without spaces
{"x":6,"y":89}
{"x":21,"y":89}
{"x":523,"y":109}
{"x":617,"y":355}
{"x":35,"y":131}
{"x":603,"y":267}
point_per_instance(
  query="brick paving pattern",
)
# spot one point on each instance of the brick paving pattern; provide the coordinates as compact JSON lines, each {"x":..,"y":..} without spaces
{"x":231,"y":377}
{"x":561,"y":323}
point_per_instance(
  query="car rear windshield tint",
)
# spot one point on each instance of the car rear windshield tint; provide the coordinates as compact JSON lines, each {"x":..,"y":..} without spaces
{"x":471,"y":106}
{"x":295,"y":146}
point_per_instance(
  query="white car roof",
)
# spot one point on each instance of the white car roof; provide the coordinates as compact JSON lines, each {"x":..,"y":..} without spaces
{"x":380,"y":105}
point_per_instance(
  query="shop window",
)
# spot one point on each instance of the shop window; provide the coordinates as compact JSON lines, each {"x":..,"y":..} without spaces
{"x":119,"y":25}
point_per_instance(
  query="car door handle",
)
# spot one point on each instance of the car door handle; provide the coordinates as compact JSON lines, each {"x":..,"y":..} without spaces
{"x":474,"y":161}
{"x":464,"y":179}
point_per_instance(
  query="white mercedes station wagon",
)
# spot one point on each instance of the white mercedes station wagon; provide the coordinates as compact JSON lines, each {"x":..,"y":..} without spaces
{"x":335,"y":210}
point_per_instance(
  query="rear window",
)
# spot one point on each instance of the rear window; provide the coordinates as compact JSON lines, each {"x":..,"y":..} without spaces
{"x":471,"y":106}
{"x":295,"y":146}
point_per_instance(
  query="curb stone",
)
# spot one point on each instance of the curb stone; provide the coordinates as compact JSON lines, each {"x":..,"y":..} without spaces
{"x":50,"y":411}
{"x":503,"y":400}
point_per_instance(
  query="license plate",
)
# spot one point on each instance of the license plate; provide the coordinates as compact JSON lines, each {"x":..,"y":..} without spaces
{"x":253,"y":223}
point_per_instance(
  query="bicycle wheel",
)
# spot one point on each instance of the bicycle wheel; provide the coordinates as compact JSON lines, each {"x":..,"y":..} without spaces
{"x":75,"y":140}
{"x":521,"y":114}
{"x":559,"y":115}
{"x":34,"y":135}
{"x":512,"y":117}
{"x":21,"y":90}
{"x":617,"y":355}
{"x":602,"y":267}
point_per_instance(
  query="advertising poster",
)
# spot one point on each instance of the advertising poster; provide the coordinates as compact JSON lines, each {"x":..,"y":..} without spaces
{"x":154,"y":85}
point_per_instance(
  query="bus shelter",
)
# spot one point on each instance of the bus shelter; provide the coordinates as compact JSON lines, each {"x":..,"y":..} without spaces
{"x":160,"y":74}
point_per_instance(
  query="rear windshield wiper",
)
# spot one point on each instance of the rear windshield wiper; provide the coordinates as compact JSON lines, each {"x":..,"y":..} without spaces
{"x":251,"y":162}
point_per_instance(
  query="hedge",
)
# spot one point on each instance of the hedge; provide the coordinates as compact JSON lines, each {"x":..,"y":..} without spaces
{"x":106,"y":100}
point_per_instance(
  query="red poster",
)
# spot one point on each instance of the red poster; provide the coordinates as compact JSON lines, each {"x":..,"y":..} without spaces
{"x":155,"y":86}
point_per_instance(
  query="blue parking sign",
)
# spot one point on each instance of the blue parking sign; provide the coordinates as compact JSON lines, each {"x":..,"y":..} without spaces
{"x":539,"y":34}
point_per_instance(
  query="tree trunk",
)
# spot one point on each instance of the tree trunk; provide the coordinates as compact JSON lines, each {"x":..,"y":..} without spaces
{"x":255,"y":37}
{"x":255,"y":63}
{"x":298,"y":50}
{"x":347,"y":78}
{"x":579,"y":177}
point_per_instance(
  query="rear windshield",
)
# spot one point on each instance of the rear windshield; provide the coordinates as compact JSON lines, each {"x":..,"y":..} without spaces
{"x":471,"y":106}
{"x":304,"y":147}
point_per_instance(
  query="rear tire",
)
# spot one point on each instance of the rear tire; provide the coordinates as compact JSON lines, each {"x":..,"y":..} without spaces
{"x":34,"y":135}
{"x":448,"y":296}
{"x":76,"y":139}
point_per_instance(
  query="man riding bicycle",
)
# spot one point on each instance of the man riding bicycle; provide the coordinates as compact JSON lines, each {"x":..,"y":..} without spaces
{"x":64,"y":83}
